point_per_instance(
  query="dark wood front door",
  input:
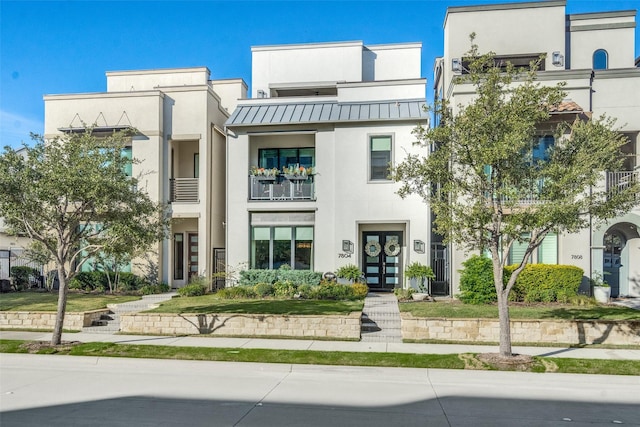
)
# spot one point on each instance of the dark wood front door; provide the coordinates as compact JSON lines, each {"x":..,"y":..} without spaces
{"x":382,"y":252}
{"x":193,"y":255}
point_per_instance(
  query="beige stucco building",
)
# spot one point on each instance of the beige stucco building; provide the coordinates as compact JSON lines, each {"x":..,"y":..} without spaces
{"x":594,"y":54}
{"x":347,"y":111}
{"x":179,"y":115}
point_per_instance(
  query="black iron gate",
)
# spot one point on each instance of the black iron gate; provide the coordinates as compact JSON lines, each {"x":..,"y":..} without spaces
{"x":219,"y":268}
{"x":440,"y":266}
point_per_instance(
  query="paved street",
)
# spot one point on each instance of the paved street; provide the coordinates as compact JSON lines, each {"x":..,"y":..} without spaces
{"x":40,"y":390}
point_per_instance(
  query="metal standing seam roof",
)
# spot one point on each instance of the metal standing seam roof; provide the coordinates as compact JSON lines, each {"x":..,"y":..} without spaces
{"x":326,"y":112}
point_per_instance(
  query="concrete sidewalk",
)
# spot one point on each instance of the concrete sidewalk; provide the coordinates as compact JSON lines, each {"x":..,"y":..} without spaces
{"x":286,"y":344}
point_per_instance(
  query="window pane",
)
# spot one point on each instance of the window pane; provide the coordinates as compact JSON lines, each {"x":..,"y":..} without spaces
{"x":128,"y":154}
{"x":281,"y":253}
{"x":268,"y":158}
{"x":178,"y":256}
{"x":196,"y":165}
{"x":282,"y":233}
{"x":303,"y":248}
{"x":307,"y":157}
{"x":516,"y":254}
{"x":541,"y":150}
{"x":260,"y":247}
{"x":380,"y":157}
{"x":600,"y":59}
{"x":288,"y":157}
{"x":548,"y":250}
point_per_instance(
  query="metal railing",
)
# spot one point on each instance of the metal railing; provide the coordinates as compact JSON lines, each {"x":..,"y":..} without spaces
{"x":281,"y":188}
{"x":184,"y":190}
{"x":621,"y":180}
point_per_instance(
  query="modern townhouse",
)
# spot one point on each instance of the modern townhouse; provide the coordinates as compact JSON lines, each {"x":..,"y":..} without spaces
{"x":594,"y":54}
{"x":308,"y":161}
{"x":179,"y":116}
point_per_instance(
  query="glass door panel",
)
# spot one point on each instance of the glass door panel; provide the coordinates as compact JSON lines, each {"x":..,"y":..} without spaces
{"x":193,"y":255}
{"x":382,"y":259}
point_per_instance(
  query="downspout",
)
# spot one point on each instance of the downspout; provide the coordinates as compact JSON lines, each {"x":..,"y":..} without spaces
{"x":591,"y":78}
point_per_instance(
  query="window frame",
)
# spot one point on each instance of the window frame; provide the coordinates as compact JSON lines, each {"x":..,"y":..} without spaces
{"x":606,"y":59}
{"x":370,"y":137}
{"x":271,"y":245}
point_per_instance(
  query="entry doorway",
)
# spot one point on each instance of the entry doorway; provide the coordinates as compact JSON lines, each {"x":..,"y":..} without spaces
{"x":382,"y":259}
{"x":192,"y":255}
{"x":614,"y":243}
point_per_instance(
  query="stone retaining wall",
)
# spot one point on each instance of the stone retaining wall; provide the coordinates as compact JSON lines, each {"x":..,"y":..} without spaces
{"x":335,"y":326}
{"x":47,"y":319}
{"x":525,"y":331}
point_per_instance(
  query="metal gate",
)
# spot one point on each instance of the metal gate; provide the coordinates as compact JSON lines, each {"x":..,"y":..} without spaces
{"x":219,"y":268}
{"x":440,"y":266}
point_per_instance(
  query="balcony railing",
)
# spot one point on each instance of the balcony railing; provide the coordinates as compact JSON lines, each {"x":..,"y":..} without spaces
{"x":184,"y":190}
{"x":281,"y":188}
{"x":620,"y":180}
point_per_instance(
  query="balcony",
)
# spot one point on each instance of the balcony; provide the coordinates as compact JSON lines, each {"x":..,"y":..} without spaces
{"x":621,"y":180}
{"x":183,"y":190}
{"x":281,"y":188}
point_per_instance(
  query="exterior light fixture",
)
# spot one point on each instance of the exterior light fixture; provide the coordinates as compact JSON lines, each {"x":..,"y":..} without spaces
{"x":418,"y":246}
{"x":347,"y":246}
{"x":557,"y":59}
{"x":456,"y":65}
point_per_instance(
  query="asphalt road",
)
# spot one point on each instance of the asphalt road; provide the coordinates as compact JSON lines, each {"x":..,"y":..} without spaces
{"x":40,"y":390}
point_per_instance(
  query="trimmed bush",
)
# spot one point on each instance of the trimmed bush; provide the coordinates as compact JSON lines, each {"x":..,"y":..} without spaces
{"x":476,"y":281}
{"x":284,"y":289}
{"x":297,"y":277}
{"x":333,"y":291}
{"x":23,"y":275}
{"x":89,"y":281}
{"x":160,"y":288}
{"x":236,"y":292}
{"x":360,"y":290}
{"x":263,"y":290}
{"x":536,"y":283}
{"x":194,"y":289}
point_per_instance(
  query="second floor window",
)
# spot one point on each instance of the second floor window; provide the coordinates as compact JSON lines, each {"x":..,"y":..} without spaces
{"x":380,"y":147}
{"x":600,"y":59}
{"x":280,"y":158}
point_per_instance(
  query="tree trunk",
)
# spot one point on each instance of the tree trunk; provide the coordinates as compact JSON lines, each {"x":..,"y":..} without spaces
{"x":56,"y":338}
{"x":505,"y":324}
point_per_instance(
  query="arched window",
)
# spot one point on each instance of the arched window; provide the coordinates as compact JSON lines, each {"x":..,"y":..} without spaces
{"x":600,"y":59}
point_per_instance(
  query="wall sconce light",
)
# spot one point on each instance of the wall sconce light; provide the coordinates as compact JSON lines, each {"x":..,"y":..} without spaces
{"x":347,"y":246}
{"x":456,"y":65}
{"x":557,"y":59}
{"x":418,"y":246}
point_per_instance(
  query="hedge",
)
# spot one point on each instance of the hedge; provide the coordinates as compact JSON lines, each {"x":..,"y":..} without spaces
{"x":297,"y":277}
{"x":97,"y":281}
{"x":536,"y":283}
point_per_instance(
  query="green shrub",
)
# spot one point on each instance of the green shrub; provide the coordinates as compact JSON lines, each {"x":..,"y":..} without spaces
{"x":360,"y":290}
{"x":333,"y":291}
{"x":23,"y":275}
{"x":548,"y":283}
{"x":263,"y":290}
{"x":284,"y":289}
{"x":297,"y":277}
{"x":349,"y":272}
{"x":536,"y":283}
{"x":160,"y":288}
{"x":403,"y":294}
{"x":305,"y":291}
{"x":128,"y":282}
{"x":89,"y":281}
{"x":193,"y":289}
{"x":476,"y":281}
{"x":236,"y":292}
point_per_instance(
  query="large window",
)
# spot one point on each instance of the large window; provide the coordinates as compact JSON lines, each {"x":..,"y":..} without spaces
{"x":284,"y":157}
{"x":541,"y":151}
{"x":380,"y":157}
{"x":600,"y":59}
{"x":547,"y":252}
{"x":127,"y":153}
{"x":273,"y":247}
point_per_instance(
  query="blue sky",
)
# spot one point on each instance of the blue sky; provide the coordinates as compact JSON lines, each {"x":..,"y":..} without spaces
{"x":54,"y":47}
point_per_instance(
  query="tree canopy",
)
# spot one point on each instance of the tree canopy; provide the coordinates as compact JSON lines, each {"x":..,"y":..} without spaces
{"x":491,"y":180}
{"x":72,"y":195}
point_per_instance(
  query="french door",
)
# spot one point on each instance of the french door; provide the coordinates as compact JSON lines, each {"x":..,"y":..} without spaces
{"x":382,"y":252}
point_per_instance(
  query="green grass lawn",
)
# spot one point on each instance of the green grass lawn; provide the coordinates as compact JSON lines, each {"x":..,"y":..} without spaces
{"x":45,"y":301}
{"x":403,"y":360}
{"x":455,"y":309}
{"x":211,"y":304}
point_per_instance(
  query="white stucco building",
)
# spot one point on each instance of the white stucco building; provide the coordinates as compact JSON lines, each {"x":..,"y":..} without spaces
{"x":179,"y":115}
{"x":594,"y":54}
{"x":346,"y":110}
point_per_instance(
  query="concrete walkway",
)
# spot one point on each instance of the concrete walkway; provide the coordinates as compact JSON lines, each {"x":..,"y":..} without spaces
{"x":381,"y":319}
{"x":112,"y":323}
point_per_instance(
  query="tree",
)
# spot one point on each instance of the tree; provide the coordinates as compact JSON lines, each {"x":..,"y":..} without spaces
{"x":72,"y":197}
{"x":486,"y":186}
